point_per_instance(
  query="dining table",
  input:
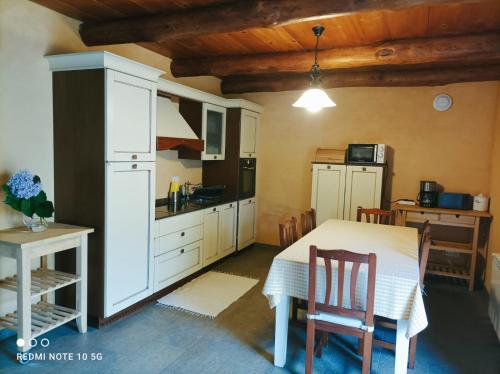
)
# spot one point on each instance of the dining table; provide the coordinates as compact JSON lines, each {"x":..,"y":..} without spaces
{"x":398,"y":295}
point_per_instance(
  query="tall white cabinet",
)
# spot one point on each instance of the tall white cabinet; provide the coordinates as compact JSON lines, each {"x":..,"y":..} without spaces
{"x":104,"y":171}
{"x":338,"y":190}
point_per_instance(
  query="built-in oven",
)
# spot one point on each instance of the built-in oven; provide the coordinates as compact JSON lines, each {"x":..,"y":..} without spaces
{"x":248,"y":168}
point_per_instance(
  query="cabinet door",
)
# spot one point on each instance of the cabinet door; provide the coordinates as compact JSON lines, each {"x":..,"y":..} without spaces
{"x":211,"y":236}
{"x":246,"y":223}
{"x":248,"y":138}
{"x":129,"y":218}
{"x":228,"y":229}
{"x":363,"y":188}
{"x":328,"y":188}
{"x":214,"y":132}
{"x":130,"y":118}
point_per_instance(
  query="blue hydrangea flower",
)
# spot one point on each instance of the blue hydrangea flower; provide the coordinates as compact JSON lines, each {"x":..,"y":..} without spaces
{"x":23,"y":186}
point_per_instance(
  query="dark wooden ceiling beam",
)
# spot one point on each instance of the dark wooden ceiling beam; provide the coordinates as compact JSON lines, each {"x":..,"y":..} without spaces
{"x":235,"y":16}
{"x":342,"y":78}
{"x":477,"y":48}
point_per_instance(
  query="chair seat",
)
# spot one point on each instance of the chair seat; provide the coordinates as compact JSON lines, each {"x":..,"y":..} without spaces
{"x":341,"y":320}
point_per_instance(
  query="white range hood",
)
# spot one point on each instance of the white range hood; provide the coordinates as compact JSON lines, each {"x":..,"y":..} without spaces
{"x":169,"y":122}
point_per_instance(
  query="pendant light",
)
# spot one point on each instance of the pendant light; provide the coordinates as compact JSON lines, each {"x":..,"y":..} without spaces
{"x":315,"y":99}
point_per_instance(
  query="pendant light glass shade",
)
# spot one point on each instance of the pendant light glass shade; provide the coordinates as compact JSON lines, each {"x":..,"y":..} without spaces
{"x":314,"y":99}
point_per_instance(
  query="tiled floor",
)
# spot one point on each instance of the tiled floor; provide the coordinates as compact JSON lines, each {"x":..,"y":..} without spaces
{"x":460,"y":338}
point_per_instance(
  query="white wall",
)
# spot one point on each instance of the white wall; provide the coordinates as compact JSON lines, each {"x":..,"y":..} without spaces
{"x":27,"y":33}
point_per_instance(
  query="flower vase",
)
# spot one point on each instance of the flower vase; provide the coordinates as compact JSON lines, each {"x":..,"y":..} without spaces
{"x":35,"y":223}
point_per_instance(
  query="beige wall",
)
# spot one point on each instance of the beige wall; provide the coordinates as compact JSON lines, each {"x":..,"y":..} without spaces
{"x":453,"y":147}
{"x":494,"y":245}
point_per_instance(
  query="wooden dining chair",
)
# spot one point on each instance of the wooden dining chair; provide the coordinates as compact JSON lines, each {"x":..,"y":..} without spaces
{"x":424,"y":248}
{"x":379,"y":216}
{"x":288,"y":232}
{"x":308,"y":221}
{"x":349,"y":320}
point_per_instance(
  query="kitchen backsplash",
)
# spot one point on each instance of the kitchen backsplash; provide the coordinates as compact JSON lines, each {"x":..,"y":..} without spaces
{"x":168,"y":165}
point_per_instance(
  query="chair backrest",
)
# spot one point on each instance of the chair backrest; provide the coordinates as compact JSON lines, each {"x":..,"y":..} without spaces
{"x":342,"y":256}
{"x":288,"y":232}
{"x":308,"y":221}
{"x":380,"y":216}
{"x":424,"y":256}
{"x":426,"y":230}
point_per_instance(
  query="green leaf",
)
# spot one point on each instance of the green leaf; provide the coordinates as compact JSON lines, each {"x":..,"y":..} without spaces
{"x":40,"y":198}
{"x":45,"y":209}
{"x":13,"y":202}
{"x":27,"y":208}
{"x":5,"y":188}
{"x":36,"y":179}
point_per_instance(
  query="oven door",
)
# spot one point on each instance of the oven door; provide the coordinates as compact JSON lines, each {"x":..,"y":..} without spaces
{"x":248,"y":167}
{"x":361,"y":153}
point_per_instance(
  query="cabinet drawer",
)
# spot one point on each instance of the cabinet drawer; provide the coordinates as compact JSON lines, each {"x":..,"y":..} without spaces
{"x":177,"y":264}
{"x":180,"y":222}
{"x":421,"y":217}
{"x":457,"y":218}
{"x":178,"y":239}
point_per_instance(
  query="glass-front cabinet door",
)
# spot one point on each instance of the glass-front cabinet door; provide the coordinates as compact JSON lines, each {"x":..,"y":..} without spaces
{"x":214,"y":132}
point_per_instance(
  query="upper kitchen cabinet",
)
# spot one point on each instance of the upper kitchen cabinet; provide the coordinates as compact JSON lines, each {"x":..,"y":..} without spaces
{"x":248,"y":136}
{"x":130,"y":117}
{"x":214,"y":132}
{"x":128,"y":103}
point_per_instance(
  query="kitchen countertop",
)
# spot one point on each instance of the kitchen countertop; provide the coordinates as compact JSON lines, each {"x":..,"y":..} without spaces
{"x":164,"y":210}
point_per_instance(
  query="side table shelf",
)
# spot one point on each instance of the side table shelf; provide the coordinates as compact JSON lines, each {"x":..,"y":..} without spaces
{"x":42,"y":281}
{"x":31,"y":320}
{"x":44,"y":317}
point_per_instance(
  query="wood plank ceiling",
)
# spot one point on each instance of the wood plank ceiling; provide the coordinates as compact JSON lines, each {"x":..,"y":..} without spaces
{"x":441,"y":22}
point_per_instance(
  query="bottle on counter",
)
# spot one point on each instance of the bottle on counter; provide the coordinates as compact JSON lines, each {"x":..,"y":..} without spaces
{"x":173,"y":192}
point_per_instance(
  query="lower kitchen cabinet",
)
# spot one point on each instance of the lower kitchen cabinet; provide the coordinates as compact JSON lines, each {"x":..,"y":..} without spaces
{"x":219,"y":232}
{"x":247,"y":214}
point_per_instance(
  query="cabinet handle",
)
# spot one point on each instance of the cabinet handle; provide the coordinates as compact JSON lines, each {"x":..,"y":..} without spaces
{"x":364,"y":169}
{"x":230,"y":205}
{"x":182,"y":250}
{"x":183,"y":233}
{"x":328,"y":167}
{"x":214,"y":209}
{"x":134,"y":166}
{"x":215,"y":157}
{"x":134,"y":157}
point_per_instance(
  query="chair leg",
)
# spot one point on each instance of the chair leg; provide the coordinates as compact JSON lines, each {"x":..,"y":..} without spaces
{"x":367,"y":352}
{"x":360,"y":346}
{"x":294,"y":308}
{"x":321,"y":341}
{"x":413,"y":352}
{"x":310,"y":346}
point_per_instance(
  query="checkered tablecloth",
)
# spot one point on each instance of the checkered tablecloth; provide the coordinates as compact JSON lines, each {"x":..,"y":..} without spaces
{"x":397,"y":289}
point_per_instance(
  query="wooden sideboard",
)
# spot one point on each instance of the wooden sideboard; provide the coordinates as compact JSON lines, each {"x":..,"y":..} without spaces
{"x":476,"y":222}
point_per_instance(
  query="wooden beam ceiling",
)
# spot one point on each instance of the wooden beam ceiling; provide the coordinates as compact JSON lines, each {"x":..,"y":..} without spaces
{"x":344,"y":78}
{"x":472,"y":49}
{"x":234,"y":16}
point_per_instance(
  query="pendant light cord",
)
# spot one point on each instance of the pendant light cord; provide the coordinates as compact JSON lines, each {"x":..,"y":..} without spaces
{"x":316,"y":50}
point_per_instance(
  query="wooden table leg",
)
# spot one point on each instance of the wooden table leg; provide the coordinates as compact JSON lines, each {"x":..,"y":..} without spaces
{"x":23,"y":302}
{"x":473,"y":259}
{"x":281,"y":331}
{"x":44,"y":265}
{"x":402,"y":346}
{"x":81,"y":286}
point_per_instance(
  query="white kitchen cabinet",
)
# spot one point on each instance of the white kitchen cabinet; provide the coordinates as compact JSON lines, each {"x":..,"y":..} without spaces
{"x":328,"y":189}
{"x":228,"y":222}
{"x":246,"y":222}
{"x":213,"y":128}
{"x":128,"y":234}
{"x":248,"y":138}
{"x":130,"y":118}
{"x":363,"y":188}
{"x":219,"y":232}
{"x":211,"y":235}
{"x":338,"y":190}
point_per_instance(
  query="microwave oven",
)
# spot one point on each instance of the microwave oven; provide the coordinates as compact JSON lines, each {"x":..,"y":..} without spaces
{"x":366,"y":154}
